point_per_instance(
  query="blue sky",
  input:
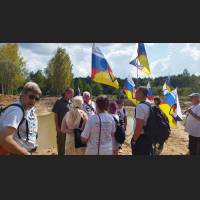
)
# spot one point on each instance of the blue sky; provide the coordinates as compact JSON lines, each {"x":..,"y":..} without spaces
{"x":164,"y":58}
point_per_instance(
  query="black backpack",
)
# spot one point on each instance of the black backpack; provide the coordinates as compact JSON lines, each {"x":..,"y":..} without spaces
{"x":120,"y":135}
{"x":157,"y":128}
{"x":23,"y":119}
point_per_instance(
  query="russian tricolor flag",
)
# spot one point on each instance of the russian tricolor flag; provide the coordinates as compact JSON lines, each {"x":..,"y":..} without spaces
{"x":101,"y":71}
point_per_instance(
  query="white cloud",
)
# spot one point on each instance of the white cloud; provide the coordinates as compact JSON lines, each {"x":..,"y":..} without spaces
{"x":193,"y":50}
{"x":165,"y":58}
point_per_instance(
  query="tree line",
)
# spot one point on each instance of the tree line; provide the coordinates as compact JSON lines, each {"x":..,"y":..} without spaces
{"x":58,"y":75}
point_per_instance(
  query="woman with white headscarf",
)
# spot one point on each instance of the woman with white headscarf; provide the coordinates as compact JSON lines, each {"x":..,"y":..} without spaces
{"x":71,"y":121}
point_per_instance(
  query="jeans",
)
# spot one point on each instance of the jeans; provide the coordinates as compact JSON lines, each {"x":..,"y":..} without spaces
{"x":61,"y":138}
{"x":143,"y":146}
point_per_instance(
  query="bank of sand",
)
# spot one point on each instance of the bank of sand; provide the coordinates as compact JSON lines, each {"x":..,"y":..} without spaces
{"x":176,"y":145}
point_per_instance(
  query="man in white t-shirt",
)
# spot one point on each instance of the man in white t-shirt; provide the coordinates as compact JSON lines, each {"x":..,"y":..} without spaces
{"x":18,"y":123}
{"x":88,"y":106}
{"x":193,"y":124}
{"x":141,"y":145}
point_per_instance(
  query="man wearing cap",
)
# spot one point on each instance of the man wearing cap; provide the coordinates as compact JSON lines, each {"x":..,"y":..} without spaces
{"x":193,"y":124}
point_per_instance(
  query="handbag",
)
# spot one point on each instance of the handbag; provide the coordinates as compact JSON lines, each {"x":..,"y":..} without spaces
{"x":77,"y":136}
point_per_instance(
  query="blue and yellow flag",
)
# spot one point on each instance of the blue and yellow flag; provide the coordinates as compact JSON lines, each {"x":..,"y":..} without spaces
{"x":141,"y":60}
{"x":167,"y":87}
{"x":129,"y":89}
{"x":101,"y":71}
{"x":171,"y":108}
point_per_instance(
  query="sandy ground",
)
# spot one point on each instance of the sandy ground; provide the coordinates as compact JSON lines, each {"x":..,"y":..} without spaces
{"x":176,"y":145}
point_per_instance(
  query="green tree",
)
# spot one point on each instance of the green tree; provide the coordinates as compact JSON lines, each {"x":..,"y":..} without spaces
{"x":12,"y":67}
{"x":97,"y":89}
{"x":59,"y":72}
{"x":40,"y":78}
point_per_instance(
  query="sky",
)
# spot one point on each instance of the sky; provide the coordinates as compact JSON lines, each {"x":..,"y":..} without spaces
{"x":164,"y":58}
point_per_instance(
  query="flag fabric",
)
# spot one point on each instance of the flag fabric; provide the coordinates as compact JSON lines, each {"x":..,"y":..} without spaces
{"x":101,"y":71}
{"x":129,"y":89}
{"x":141,"y":60}
{"x":166,"y":109}
{"x":178,"y":116}
{"x":171,"y":108}
{"x":167,"y":87}
{"x":168,"y":83}
{"x":150,"y":92}
{"x":170,"y":98}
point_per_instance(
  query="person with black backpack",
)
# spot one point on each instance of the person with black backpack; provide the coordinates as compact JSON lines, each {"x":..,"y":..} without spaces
{"x":18,"y":123}
{"x":151,"y":127}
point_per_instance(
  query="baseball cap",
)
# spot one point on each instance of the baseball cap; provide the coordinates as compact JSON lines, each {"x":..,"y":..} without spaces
{"x":194,"y":95}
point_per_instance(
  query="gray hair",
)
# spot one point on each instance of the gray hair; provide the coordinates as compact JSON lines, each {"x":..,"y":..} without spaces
{"x":31,"y":87}
{"x":86,"y":93}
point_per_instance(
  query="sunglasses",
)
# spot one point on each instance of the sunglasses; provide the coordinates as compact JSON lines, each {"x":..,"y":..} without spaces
{"x":33,"y":97}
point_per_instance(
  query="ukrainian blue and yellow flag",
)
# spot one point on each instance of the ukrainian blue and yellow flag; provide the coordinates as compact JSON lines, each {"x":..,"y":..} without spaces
{"x":141,"y":60}
{"x":167,"y":87}
{"x":171,"y":108}
{"x":101,"y":71}
{"x":129,"y":89}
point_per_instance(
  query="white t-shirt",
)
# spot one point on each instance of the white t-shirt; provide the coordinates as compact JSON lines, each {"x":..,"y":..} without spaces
{"x":142,"y":112}
{"x":12,"y":116}
{"x":193,"y":125}
{"x":88,"y":108}
{"x":91,"y":131}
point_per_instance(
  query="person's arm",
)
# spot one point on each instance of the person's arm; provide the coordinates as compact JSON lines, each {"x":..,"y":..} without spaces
{"x":9,"y":144}
{"x":114,"y":142}
{"x":64,"y":127}
{"x":138,"y":129}
{"x":56,"y":123}
{"x":87,"y":130}
{"x":85,"y":119}
{"x":194,"y":115}
{"x":55,"y":111}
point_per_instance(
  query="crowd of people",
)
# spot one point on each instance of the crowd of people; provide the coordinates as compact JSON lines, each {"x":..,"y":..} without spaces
{"x":85,"y":127}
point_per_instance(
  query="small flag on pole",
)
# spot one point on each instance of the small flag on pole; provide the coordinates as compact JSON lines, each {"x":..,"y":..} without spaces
{"x":129,"y":89}
{"x":141,"y":60}
{"x":150,"y":92}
